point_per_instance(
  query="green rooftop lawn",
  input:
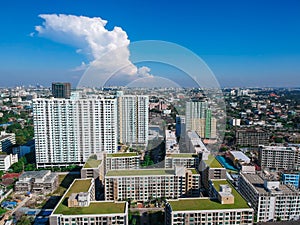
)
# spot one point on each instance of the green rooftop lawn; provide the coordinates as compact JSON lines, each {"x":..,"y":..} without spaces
{"x":194,"y":171}
{"x":79,"y":186}
{"x":123,"y":154}
{"x":212,"y":162}
{"x":94,"y":208}
{"x":92,"y":163}
{"x":145,"y":172}
{"x":208,"y":204}
{"x":181,"y":155}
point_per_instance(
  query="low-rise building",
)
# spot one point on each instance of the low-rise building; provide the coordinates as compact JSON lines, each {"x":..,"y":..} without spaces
{"x":188,"y":160}
{"x":120,"y":161}
{"x":238,"y":158}
{"x":37,"y":182}
{"x":226,"y":206}
{"x":270,"y":199}
{"x":279,"y":157}
{"x":291,"y":178}
{"x":78,"y":206}
{"x":7,"y":160}
{"x":144,"y":184}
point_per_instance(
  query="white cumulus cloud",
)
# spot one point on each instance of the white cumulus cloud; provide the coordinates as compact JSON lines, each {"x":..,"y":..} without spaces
{"x":106,"y":50}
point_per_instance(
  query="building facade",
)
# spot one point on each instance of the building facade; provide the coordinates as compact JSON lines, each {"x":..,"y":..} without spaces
{"x":37,"y":182}
{"x":252,"y":137}
{"x":144,"y":185}
{"x":199,"y":118}
{"x":133,"y":119}
{"x":69,"y":131}
{"x":7,"y":140}
{"x":294,"y":179}
{"x":61,"y":90}
{"x":270,"y":199}
{"x":7,"y":160}
{"x":279,"y":157}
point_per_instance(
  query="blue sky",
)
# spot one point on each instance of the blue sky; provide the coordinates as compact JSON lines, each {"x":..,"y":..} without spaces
{"x":245,"y":43}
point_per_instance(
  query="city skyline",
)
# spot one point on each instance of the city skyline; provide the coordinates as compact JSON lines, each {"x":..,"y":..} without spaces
{"x":249,"y":44}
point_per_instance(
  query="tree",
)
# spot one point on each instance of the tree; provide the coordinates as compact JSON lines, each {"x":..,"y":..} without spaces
{"x":24,"y":221}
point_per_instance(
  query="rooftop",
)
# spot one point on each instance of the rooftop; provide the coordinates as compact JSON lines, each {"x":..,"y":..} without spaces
{"x":142,"y":172}
{"x":92,"y":162}
{"x":83,"y":185}
{"x":209,"y":204}
{"x":258,"y":183}
{"x":182,"y":155}
{"x":93,"y":208}
{"x":212,"y":162}
{"x":123,"y":154}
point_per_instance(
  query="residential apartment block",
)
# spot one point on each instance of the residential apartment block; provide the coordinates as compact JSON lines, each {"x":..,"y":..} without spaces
{"x":122,"y":161}
{"x":143,"y":184}
{"x":7,"y":160}
{"x":37,"y":182}
{"x":225,"y":206}
{"x":78,"y":206}
{"x":68,"y":131}
{"x":270,"y":199}
{"x":7,"y":140}
{"x":188,"y":160}
{"x":252,"y":137}
{"x":279,"y":157}
{"x":133,"y":119}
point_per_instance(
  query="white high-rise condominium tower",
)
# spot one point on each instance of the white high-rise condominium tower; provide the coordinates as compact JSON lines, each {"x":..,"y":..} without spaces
{"x":70,"y":130}
{"x":133,"y":119}
{"x":199,"y":118}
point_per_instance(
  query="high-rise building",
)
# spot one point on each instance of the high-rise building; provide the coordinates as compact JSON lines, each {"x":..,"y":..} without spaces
{"x":70,"y":130}
{"x":199,"y":118}
{"x":61,"y":90}
{"x":133,"y":119}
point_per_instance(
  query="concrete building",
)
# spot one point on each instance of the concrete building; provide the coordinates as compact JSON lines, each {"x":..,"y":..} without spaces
{"x":226,"y":206}
{"x":7,"y":160}
{"x":61,"y":90}
{"x":252,"y":137}
{"x":37,"y":182}
{"x":171,"y":144}
{"x":7,"y":140}
{"x":133,"y":119}
{"x":200,"y":119}
{"x":194,"y":144}
{"x":180,"y":126}
{"x":142,"y":185}
{"x":270,"y":199}
{"x":122,"y":161}
{"x":68,"y":131}
{"x":279,"y":157}
{"x":78,"y":206}
{"x":188,"y":160}
{"x":238,"y":158}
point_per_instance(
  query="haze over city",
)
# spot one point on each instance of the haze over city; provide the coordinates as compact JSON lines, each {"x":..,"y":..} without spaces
{"x":245,"y":44}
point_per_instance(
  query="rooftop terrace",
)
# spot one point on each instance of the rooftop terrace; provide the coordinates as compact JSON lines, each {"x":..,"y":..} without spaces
{"x":123,"y":154}
{"x":209,"y":204}
{"x":143,"y":172}
{"x":92,"y":162}
{"x":212,"y":162}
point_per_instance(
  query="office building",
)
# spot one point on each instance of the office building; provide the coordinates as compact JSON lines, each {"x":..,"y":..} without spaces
{"x":78,"y":206}
{"x":200,"y":119}
{"x":68,"y":131}
{"x":279,"y":157}
{"x":6,"y":160}
{"x":270,"y":199}
{"x":39,"y":182}
{"x":22,"y":150}
{"x":133,"y":119}
{"x":252,"y":137}
{"x":225,"y":206}
{"x":7,"y":140}
{"x":144,"y":184}
{"x":61,"y":90}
